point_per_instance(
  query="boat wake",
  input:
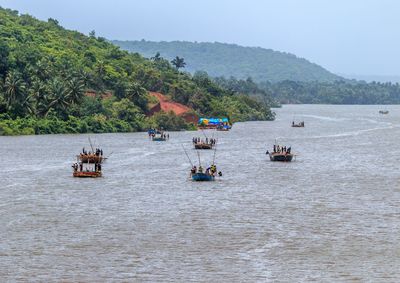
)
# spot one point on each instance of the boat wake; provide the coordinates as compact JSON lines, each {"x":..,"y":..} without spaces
{"x":354,"y":133}
{"x":326,"y":118}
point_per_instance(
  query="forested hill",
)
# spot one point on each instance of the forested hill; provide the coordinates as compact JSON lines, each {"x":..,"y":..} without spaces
{"x":220,"y":59}
{"x":46,"y":70}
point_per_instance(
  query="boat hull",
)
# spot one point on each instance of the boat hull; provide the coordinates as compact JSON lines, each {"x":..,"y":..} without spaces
{"x":281,"y":157}
{"x":87,"y":174}
{"x":202,"y":177}
{"x":159,"y":139}
{"x":203,"y":146}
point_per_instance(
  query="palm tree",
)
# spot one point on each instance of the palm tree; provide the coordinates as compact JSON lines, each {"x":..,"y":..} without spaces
{"x":75,"y":90}
{"x":100,"y":69}
{"x":58,"y":96}
{"x":15,"y":89}
{"x":43,"y":69}
{"x":28,"y":105}
{"x":178,"y":62}
{"x":137,"y":94}
{"x":39,"y":94}
{"x":156,"y":57}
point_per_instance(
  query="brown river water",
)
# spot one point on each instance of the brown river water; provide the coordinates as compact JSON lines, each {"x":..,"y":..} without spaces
{"x":333,"y":215}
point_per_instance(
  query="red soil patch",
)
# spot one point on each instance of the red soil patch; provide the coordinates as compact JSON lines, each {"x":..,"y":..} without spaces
{"x":166,"y":105}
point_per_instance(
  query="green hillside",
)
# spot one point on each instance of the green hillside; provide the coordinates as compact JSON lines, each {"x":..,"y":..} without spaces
{"x":45,"y":71}
{"x":220,"y":59}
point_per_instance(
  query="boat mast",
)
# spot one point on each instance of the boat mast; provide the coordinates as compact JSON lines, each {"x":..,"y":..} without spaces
{"x":91,"y":145}
{"x":215,"y":151}
{"x":198,"y":155}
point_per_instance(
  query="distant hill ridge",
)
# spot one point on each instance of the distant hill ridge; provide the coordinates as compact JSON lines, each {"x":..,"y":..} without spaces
{"x":222,"y":59}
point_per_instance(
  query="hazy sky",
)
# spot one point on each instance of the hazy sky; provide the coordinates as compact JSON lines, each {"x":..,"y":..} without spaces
{"x":345,"y":36}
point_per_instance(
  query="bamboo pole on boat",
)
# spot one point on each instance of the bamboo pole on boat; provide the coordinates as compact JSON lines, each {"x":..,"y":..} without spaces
{"x":191,"y":163}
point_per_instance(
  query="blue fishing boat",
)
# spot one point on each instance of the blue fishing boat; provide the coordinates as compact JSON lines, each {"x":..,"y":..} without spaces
{"x":202,"y":177}
{"x":159,"y":136}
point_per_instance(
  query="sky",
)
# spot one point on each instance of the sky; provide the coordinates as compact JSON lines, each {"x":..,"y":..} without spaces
{"x":356,"y":37}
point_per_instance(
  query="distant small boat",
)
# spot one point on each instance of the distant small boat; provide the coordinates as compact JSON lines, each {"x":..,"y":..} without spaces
{"x":383,"y":112}
{"x":202,"y":177}
{"x":159,"y":136}
{"x":298,"y":125}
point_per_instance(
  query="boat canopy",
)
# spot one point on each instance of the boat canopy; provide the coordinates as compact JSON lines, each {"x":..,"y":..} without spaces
{"x":213,"y":121}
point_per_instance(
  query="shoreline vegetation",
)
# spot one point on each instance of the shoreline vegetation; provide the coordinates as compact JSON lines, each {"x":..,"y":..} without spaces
{"x":54,"y":81}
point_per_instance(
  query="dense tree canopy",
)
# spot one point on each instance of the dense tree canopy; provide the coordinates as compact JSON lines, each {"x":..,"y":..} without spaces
{"x":222,"y":59}
{"x":46,"y":71}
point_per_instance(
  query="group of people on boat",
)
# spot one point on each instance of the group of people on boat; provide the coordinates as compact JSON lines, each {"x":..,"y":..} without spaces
{"x":210,"y":141}
{"x":210,"y":171}
{"x":78,"y":167}
{"x":281,"y":149}
{"x":98,"y":152}
{"x":159,"y":135}
{"x":164,"y":135}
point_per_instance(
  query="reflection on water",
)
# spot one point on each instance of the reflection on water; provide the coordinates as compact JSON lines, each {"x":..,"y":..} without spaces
{"x":332,"y":215}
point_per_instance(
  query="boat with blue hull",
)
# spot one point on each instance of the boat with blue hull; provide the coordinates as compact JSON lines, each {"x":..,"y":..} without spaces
{"x":202,"y":177}
{"x":156,"y":135}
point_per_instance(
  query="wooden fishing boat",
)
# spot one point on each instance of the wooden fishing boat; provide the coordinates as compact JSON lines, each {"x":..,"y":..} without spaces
{"x":281,"y":156}
{"x":91,"y":158}
{"x":87,"y":174}
{"x":202,"y":177}
{"x":203,"y":145}
{"x":383,"y":112}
